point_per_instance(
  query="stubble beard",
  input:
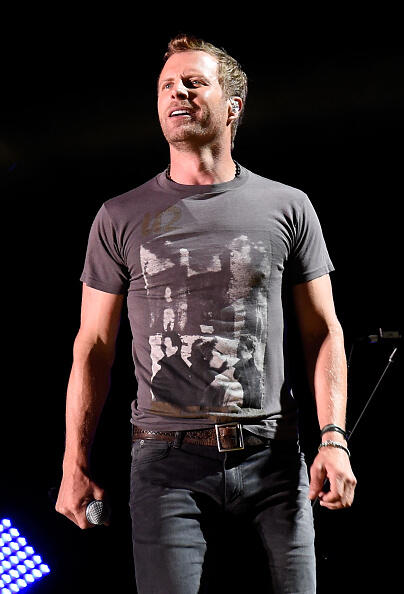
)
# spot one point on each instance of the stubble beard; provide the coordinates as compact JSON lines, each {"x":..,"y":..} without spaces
{"x":185,"y":133}
{"x":195,"y":132}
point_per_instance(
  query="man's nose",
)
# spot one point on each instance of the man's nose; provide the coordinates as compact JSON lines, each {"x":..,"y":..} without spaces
{"x":179,"y":89}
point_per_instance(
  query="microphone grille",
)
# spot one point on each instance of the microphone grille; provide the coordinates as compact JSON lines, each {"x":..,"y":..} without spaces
{"x":97,"y":512}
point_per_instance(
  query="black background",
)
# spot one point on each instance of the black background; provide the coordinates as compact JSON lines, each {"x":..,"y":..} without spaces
{"x":79,"y":125}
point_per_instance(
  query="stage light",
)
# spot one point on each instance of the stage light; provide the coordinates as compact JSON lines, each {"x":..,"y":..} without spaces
{"x":20,"y":566}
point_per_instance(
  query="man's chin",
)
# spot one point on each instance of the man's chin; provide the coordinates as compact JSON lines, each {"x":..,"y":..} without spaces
{"x":184,"y":134}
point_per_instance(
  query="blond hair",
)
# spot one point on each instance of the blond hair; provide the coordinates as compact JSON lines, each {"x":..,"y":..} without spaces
{"x":231,"y":76}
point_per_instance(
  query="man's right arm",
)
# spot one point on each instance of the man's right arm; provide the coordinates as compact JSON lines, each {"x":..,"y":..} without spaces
{"x":93,"y":356}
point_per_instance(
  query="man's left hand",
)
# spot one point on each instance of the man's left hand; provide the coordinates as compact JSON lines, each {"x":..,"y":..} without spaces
{"x":333,"y":464}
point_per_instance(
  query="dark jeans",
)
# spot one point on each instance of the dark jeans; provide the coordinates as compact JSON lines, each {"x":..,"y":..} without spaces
{"x":179,"y":498}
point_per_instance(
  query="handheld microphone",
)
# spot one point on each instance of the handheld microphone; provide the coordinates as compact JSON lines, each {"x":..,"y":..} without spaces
{"x":97,"y":512}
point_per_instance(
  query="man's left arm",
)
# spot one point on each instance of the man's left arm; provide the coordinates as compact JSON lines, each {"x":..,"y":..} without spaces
{"x":323,"y":345}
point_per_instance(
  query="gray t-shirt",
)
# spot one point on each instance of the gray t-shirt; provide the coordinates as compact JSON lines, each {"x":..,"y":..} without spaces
{"x":203,"y":269}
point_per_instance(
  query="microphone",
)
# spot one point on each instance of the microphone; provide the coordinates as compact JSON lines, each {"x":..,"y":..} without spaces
{"x":97,"y":512}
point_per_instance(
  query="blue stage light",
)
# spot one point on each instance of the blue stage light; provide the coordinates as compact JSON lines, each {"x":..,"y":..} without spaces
{"x":20,"y":566}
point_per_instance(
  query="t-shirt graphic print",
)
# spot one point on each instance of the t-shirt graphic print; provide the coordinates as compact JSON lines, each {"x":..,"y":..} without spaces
{"x":207,"y":303}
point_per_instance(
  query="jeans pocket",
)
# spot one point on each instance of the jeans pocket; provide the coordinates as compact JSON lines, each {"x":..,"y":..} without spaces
{"x":145,"y":451}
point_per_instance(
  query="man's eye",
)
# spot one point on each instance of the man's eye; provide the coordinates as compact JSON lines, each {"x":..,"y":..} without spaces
{"x":193,"y":82}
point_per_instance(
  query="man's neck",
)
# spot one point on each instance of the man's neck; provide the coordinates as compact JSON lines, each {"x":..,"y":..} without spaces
{"x":201,"y":167}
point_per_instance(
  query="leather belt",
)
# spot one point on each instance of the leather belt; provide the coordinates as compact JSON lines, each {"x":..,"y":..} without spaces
{"x":227,"y":437}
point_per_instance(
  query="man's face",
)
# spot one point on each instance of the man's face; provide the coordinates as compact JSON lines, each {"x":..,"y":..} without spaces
{"x":191,"y":103}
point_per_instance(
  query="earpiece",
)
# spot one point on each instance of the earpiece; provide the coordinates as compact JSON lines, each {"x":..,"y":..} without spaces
{"x":234,"y":106}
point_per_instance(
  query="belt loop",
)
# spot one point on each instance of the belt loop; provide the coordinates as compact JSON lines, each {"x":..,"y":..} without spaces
{"x":179,"y":436}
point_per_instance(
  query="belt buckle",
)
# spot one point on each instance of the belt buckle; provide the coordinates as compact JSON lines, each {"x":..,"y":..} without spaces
{"x":240,"y":438}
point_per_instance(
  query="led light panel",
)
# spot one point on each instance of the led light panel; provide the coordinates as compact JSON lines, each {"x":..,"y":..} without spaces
{"x":20,"y":566}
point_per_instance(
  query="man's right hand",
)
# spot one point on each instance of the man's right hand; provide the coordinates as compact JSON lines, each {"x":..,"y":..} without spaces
{"x":75,"y":493}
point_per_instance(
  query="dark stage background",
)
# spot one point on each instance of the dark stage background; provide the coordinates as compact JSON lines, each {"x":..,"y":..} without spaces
{"x":324,"y":114}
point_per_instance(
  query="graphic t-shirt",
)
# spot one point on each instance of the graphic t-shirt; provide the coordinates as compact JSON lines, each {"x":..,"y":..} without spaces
{"x":202,"y":268}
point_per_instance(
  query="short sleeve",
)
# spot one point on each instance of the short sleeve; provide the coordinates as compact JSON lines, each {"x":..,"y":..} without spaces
{"x":309,"y":256}
{"x":104,"y":268}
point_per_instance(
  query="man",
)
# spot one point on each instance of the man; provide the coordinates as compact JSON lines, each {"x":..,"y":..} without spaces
{"x":203,"y":252}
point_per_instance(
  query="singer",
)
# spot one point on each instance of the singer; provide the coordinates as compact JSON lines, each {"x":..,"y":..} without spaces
{"x":204,"y":253}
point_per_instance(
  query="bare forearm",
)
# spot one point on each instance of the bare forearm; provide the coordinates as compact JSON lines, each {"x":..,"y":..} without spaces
{"x":93,"y":355}
{"x":330,"y":387}
{"x":328,"y":374}
{"x":86,"y":394}
{"x":323,"y":343}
